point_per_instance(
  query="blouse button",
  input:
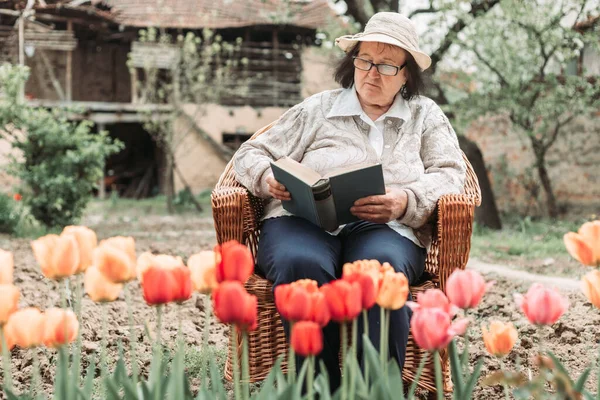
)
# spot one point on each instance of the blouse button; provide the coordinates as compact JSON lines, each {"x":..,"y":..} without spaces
{"x":387,"y":146}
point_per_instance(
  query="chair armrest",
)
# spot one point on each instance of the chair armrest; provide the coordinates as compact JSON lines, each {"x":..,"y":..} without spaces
{"x":236,"y":213}
{"x":455,"y":215}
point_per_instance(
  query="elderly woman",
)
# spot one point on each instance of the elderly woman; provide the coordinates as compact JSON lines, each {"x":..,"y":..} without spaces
{"x":377,"y":116}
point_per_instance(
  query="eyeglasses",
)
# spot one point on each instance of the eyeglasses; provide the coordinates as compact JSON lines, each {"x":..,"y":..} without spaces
{"x":383,"y":69}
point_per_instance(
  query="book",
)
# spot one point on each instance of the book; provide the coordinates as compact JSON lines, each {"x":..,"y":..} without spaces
{"x":326,"y":200}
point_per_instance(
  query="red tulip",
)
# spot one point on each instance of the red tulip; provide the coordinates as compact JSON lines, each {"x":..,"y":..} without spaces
{"x":465,"y":288}
{"x":233,"y":305}
{"x":343,"y":299}
{"x":165,"y":285}
{"x":432,"y":328}
{"x":235,"y":262}
{"x":17,"y":197}
{"x":368,"y":288}
{"x":433,"y":298}
{"x":319,"y":310}
{"x":307,"y":338}
{"x":292,"y":302}
{"x":542,"y":306}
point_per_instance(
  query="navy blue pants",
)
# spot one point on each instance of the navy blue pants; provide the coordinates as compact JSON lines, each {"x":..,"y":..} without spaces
{"x":291,"y":248}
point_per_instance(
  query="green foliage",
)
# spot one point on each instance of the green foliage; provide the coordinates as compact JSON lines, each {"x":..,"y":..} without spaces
{"x":10,"y":214}
{"x":59,"y":162}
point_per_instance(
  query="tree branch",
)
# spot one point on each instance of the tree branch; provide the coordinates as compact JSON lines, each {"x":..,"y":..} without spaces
{"x":427,"y":10}
{"x":356,"y":8}
{"x":477,"y":8}
{"x":556,"y":131}
{"x":503,"y":82}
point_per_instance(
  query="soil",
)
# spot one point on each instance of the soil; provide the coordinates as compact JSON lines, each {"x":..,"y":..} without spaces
{"x":573,"y":339}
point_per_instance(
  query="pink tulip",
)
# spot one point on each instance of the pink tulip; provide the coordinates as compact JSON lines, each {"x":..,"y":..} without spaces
{"x":433,"y":298}
{"x":432,"y":328}
{"x":541,"y":305}
{"x":465,"y":288}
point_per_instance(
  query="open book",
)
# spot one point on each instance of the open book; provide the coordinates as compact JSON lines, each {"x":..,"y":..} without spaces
{"x":326,"y":200}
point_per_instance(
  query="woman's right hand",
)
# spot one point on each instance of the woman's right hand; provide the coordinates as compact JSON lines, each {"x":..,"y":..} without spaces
{"x":277,"y":190}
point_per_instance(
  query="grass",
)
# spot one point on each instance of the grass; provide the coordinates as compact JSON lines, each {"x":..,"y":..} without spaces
{"x":535,"y":244}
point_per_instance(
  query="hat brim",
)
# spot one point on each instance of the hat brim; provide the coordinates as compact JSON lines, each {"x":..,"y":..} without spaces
{"x":347,"y":42}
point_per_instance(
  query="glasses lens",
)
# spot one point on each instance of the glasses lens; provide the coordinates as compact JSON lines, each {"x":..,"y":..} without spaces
{"x":362,"y":64}
{"x":385,"y":69}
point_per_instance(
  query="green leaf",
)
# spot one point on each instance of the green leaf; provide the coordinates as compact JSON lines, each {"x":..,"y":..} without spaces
{"x":371,"y":356}
{"x":456,"y":369}
{"x":216,"y":381}
{"x":472,"y":381}
{"x":414,"y":384}
{"x":395,"y":380}
{"x":580,"y":384}
{"x":322,"y":383}
{"x":268,"y":390}
{"x":88,"y":382}
{"x":299,"y":383}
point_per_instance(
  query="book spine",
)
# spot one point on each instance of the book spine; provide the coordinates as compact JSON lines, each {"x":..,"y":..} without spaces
{"x":325,"y":206}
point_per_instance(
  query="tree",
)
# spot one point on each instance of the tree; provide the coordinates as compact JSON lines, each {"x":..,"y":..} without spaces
{"x":202,"y":69}
{"x":522,"y":51}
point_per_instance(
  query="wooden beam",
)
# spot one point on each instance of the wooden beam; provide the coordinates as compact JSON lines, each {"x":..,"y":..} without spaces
{"x":69,"y":72}
{"x":50,"y":70}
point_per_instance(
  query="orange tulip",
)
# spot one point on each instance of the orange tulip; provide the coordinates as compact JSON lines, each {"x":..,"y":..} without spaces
{"x":373,"y":268}
{"x":115,"y":258}
{"x":87,"y":242}
{"x":99,"y":287}
{"x":60,"y":327}
{"x":393,"y":290}
{"x":58,"y":256}
{"x":236,"y":262}
{"x":167,"y":284}
{"x":343,"y":299}
{"x":465,"y":288}
{"x":292,"y":302}
{"x":500,"y":338}
{"x":584,"y":245}
{"x":591,"y":287}
{"x":202,"y":266}
{"x":542,"y":306}
{"x":433,"y":298}
{"x":9,"y":300}
{"x":307,"y":338}
{"x":7,"y":265}
{"x":432,"y":328}
{"x":233,"y":305}
{"x":310,"y":285}
{"x":26,"y":328}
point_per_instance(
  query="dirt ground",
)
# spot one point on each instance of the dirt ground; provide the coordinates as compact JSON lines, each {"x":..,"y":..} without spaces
{"x":573,"y":338}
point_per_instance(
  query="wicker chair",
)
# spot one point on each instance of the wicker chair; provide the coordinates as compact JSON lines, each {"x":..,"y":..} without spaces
{"x":237,"y":214}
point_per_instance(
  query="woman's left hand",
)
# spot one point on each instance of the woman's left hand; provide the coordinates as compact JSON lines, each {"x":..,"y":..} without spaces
{"x":382,"y":208}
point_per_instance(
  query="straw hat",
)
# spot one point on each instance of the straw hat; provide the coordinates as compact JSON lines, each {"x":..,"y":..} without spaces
{"x":391,"y":28}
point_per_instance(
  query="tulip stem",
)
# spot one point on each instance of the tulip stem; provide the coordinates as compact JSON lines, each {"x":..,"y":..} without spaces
{"x":132,"y":336}
{"x":103,"y":354}
{"x":5,"y":360}
{"x":344,"y":371}
{"x":245,"y":367}
{"x":382,"y":336}
{"x":310,"y":376}
{"x":205,"y":333}
{"x":366,"y":332}
{"x":387,"y":340}
{"x":35,"y":374}
{"x":353,"y":348}
{"x":78,"y":307}
{"x":291,"y":360}
{"x":464,"y":357}
{"x":236,"y":361}
{"x":159,"y":327}
{"x":438,"y":375}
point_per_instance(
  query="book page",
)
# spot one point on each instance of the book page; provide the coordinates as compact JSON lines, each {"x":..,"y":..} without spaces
{"x":345,"y":170}
{"x":302,"y":172}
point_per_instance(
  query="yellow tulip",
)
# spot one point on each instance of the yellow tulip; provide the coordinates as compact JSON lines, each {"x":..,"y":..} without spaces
{"x":393,"y":290}
{"x":6,"y":267}
{"x":500,"y":338}
{"x":58,"y":256}
{"x":115,"y":258}
{"x":584,"y":245}
{"x":9,"y":300}
{"x":591,"y":287}
{"x":202,"y":267}
{"x":86,"y":241}
{"x":373,"y":268}
{"x":99,"y":287}
{"x":25,"y":328}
